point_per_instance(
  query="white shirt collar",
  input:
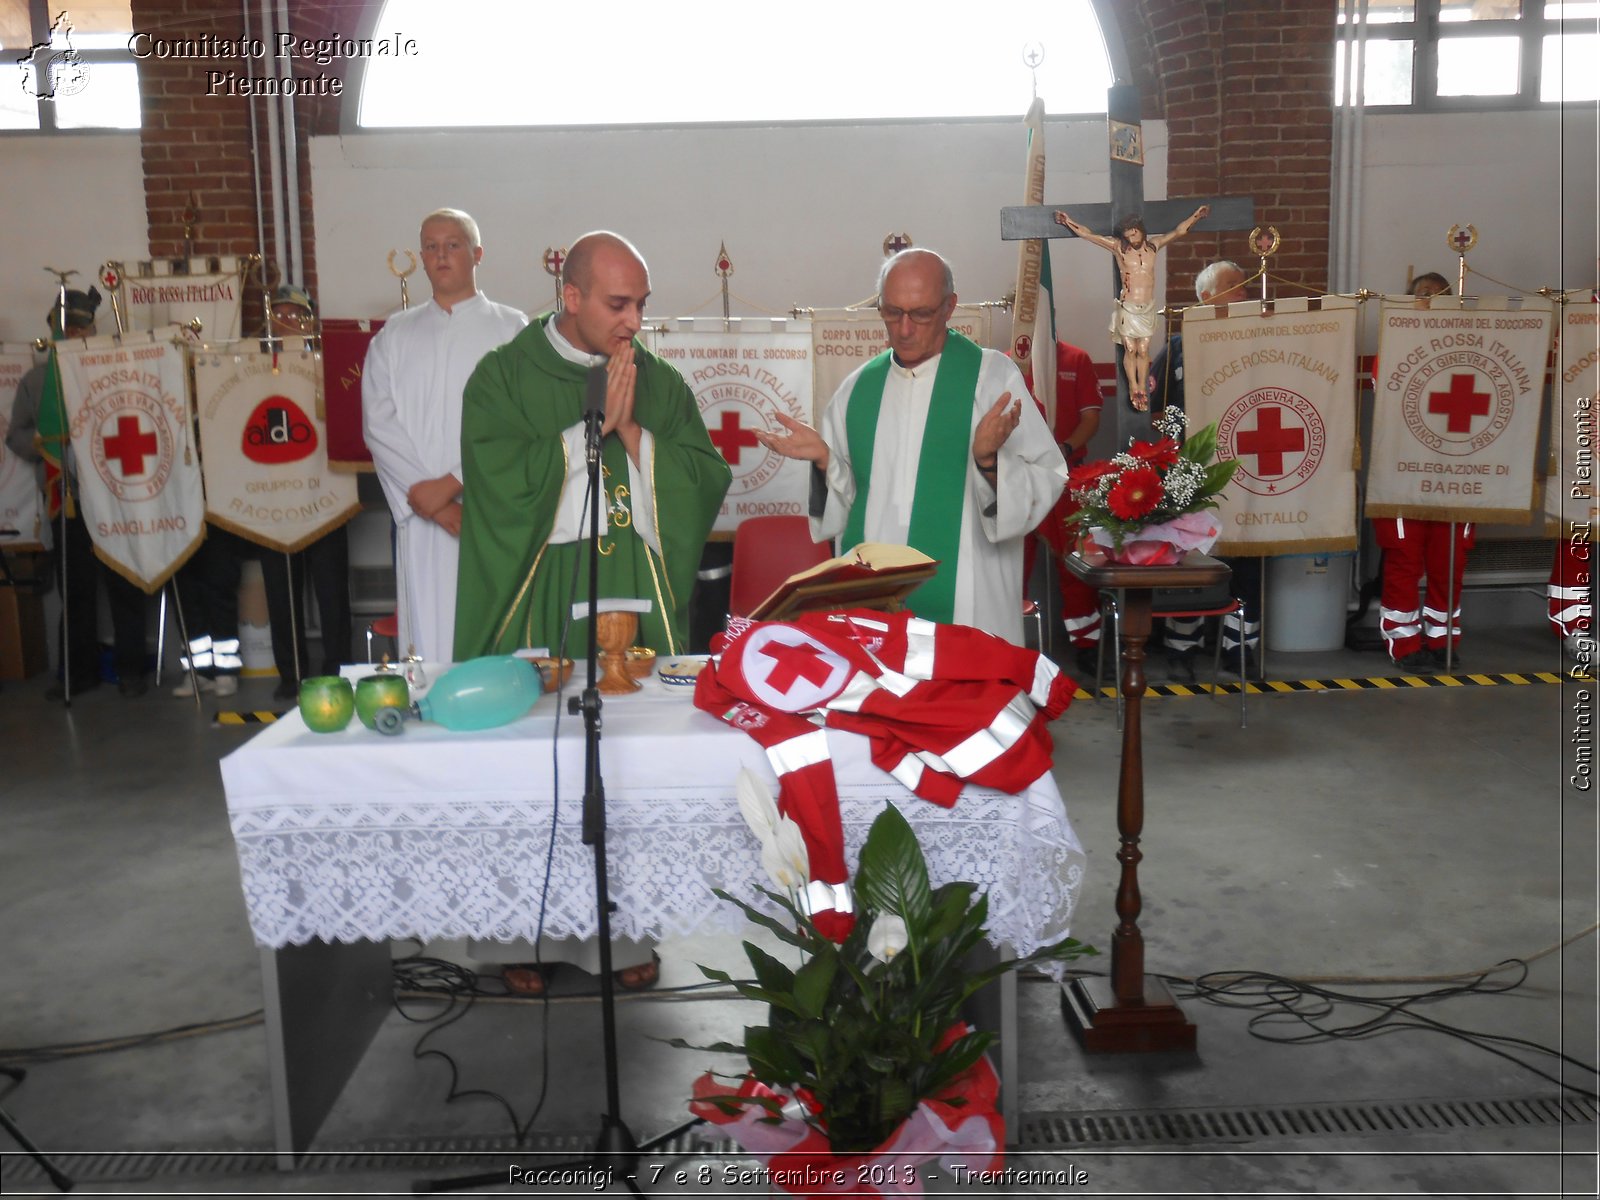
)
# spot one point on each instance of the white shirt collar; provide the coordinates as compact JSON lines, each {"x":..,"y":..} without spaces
{"x":567,"y":350}
{"x":925,"y":369}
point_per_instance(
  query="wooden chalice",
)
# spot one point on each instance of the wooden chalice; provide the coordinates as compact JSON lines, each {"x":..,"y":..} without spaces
{"x":613,"y":633}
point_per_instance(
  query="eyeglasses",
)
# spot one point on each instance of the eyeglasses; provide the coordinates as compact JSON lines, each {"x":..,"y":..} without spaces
{"x":919,"y":316}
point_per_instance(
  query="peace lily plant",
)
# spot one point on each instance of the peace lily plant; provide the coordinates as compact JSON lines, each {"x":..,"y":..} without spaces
{"x":864,"y":1049}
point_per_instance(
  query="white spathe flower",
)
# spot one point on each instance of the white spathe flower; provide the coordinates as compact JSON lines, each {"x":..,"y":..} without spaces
{"x":887,"y":937}
{"x":783,"y":850}
{"x":756,"y":803}
{"x":784,"y":857}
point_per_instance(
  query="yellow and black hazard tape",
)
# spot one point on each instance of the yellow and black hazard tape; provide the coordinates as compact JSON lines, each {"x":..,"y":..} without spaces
{"x":259,"y":717}
{"x":1369,"y":684}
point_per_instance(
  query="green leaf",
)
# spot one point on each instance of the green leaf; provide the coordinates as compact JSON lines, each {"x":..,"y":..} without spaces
{"x":770,"y":973}
{"x":893,"y":875}
{"x":772,"y":1057}
{"x":812,"y":984}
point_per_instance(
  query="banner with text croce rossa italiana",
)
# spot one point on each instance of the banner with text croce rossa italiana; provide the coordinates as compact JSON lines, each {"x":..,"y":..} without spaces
{"x":843,"y":339}
{"x":264,"y":450}
{"x":138,"y":475}
{"x":1281,"y":388}
{"x":1569,"y":495}
{"x":1456,"y":401}
{"x":158,"y":296}
{"x":21,"y":511}
{"x":741,"y":379}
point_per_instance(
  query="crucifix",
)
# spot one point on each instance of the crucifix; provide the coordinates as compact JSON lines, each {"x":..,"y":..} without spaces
{"x":1126,"y":149}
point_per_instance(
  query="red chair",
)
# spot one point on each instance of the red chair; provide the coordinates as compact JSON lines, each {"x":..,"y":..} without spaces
{"x":766,"y":551}
{"x":384,"y":627}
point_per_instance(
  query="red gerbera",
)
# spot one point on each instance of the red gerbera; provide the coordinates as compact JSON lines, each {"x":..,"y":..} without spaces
{"x":1083,"y":477}
{"x":1160,"y":455}
{"x":1135,"y":493}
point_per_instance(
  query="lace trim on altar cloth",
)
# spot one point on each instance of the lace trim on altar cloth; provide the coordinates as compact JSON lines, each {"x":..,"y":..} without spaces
{"x":375,"y":869}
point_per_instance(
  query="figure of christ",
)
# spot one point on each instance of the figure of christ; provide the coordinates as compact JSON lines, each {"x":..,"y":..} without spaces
{"x":1133,"y":320}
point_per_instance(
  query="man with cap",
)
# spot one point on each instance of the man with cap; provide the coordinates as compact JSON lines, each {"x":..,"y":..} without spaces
{"x":327,"y":560}
{"x":77,"y":566}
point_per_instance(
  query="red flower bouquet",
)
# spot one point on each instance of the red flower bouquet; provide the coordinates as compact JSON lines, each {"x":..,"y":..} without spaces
{"x":1151,"y":504}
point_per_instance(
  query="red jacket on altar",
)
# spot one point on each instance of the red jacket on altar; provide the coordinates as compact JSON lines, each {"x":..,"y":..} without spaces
{"x":942,"y":705}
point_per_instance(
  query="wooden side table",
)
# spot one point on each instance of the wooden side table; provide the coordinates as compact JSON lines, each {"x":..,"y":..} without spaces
{"x":1133,"y":1011}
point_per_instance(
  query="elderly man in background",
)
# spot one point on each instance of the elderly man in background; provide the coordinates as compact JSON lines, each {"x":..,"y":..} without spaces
{"x":934,"y":444}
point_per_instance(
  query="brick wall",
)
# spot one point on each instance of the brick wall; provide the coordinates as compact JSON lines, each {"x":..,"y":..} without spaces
{"x":1245,"y":87}
{"x":195,"y":138}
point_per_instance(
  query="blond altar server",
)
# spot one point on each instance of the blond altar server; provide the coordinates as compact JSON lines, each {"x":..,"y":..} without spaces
{"x":411,"y":389}
{"x":934,"y":444}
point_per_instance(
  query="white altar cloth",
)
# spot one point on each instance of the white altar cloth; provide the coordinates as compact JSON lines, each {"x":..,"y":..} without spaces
{"x":434,"y":834}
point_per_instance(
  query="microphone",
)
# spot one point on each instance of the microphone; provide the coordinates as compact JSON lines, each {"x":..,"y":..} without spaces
{"x":594,"y":392}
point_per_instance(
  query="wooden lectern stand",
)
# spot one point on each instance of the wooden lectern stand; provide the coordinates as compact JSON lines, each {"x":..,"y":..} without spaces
{"x":1133,"y":1011}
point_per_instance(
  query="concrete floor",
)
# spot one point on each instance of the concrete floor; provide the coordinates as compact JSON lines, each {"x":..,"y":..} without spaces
{"x":1385,"y":835}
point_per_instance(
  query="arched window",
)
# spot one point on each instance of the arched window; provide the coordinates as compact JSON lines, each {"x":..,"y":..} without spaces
{"x":505,"y":62}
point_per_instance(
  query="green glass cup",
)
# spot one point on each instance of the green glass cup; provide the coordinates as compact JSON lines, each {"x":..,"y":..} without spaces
{"x":378,"y":692}
{"x":327,"y":703}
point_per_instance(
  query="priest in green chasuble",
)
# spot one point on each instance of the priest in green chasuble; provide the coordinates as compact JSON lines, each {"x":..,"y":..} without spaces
{"x":522,"y":448}
{"x":934,"y":444}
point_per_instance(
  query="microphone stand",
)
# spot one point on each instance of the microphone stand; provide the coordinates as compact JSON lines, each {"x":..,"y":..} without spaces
{"x":616,"y":1149}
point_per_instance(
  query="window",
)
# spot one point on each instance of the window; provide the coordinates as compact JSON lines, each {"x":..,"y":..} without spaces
{"x":724,"y":61}
{"x":67,"y":68}
{"x":1451,"y":54}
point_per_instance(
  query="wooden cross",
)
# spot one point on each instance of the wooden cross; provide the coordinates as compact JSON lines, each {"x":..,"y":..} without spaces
{"x":1026,"y":221}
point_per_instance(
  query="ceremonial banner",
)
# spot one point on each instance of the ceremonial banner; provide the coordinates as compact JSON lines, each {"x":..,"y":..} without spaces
{"x":1033,"y":316}
{"x":154,"y":298}
{"x":21,"y":512}
{"x":264,"y":451}
{"x":1282,"y":390}
{"x":1569,"y":492}
{"x":842,"y":339}
{"x":138,"y":477}
{"x":344,"y":354}
{"x":1456,"y":417}
{"x":741,"y":379}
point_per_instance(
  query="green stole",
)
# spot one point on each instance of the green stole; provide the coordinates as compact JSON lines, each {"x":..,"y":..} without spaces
{"x":937,"y":504}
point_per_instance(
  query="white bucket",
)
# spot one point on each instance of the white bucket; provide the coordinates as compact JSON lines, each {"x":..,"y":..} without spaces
{"x":1306,"y":600}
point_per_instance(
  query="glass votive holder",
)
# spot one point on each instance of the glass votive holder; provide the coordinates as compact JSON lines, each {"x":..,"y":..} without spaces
{"x":327,"y":702}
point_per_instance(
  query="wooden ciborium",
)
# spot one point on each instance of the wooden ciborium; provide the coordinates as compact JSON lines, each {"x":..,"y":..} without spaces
{"x":613,"y":633}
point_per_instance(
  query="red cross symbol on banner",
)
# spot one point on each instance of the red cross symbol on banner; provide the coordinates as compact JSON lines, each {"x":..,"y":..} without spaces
{"x":1269,"y":441}
{"x":795,"y":662}
{"x":1460,"y":404}
{"x":731,"y":438}
{"x":130,"y":445}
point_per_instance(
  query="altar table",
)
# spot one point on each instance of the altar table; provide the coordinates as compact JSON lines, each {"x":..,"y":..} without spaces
{"x":349,"y":839}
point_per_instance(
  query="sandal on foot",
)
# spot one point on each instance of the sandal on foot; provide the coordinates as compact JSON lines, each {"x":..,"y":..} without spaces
{"x":641,"y":976}
{"x":527,"y":979}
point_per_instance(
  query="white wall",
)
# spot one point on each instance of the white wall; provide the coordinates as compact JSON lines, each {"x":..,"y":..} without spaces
{"x":803,"y":210}
{"x":70,"y":203}
{"x":1503,"y":172}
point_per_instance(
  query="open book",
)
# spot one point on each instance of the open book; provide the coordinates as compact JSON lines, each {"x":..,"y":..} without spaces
{"x":872,"y":575}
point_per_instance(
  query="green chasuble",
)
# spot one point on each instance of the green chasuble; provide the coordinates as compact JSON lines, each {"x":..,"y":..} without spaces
{"x":515,"y":588}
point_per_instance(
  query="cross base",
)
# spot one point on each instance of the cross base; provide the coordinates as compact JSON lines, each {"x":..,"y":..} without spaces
{"x":1106,"y":1025}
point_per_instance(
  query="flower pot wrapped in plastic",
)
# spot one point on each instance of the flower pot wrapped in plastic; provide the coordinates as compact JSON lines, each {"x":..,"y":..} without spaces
{"x":1155,"y":545}
{"x":960,"y":1127}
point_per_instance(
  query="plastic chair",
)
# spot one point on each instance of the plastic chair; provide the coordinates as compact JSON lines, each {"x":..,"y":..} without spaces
{"x":766,"y":551}
{"x":1173,"y":602}
{"x":384,"y":627}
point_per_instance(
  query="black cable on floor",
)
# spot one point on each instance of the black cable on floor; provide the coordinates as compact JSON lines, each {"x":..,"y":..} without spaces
{"x":27,"y":1056}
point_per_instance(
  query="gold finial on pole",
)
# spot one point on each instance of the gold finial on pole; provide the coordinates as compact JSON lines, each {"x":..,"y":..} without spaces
{"x":724,"y":269}
{"x":411,"y":266}
{"x":555,"y":262}
{"x":1461,"y":241}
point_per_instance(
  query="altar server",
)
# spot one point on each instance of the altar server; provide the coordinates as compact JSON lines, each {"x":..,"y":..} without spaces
{"x":411,"y":390}
{"x":934,"y":444}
